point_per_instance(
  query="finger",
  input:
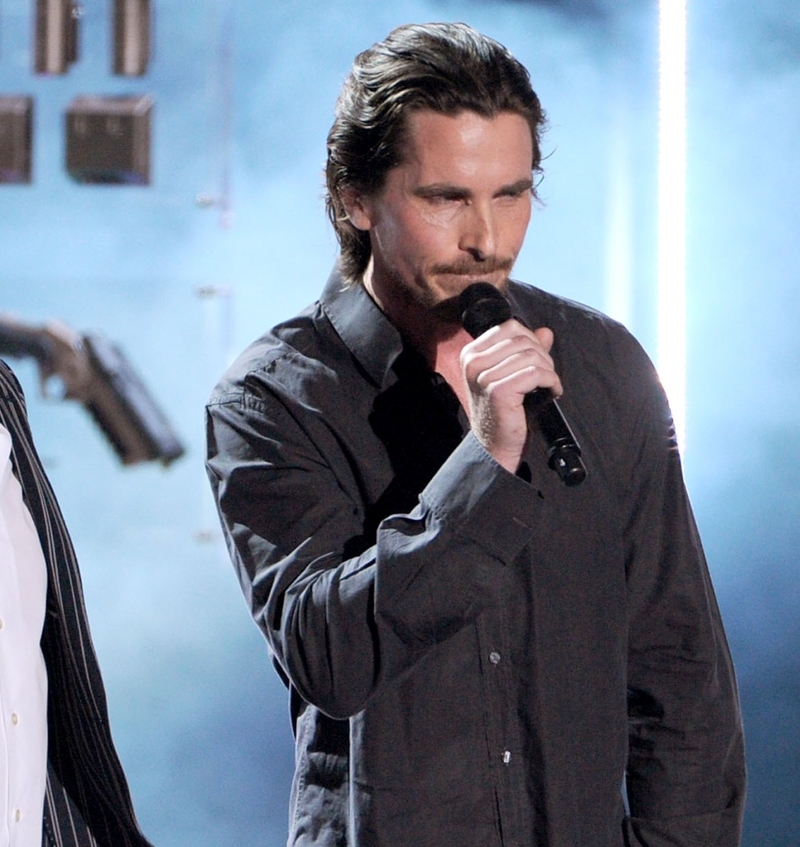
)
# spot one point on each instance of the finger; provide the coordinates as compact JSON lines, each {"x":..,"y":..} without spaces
{"x":541,"y":338}
{"x":517,"y":351}
{"x":519,"y":373}
{"x":526,"y":381}
{"x":508,"y":329}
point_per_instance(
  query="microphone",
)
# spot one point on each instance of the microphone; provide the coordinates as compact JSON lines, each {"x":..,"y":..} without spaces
{"x":481,"y":306}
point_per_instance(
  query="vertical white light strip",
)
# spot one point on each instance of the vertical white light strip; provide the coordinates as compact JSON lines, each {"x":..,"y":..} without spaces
{"x":672,"y":208}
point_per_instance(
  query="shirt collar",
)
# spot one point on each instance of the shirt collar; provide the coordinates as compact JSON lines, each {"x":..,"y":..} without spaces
{"x":366,"y":331}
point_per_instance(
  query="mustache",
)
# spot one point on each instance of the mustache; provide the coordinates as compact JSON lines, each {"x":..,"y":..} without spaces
{"x":473,"y":268}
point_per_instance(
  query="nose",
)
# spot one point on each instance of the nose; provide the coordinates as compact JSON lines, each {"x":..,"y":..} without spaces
{"x":478,"y":234}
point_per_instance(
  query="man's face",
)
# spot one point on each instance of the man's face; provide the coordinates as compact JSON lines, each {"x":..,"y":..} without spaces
{"x":455,"y":210}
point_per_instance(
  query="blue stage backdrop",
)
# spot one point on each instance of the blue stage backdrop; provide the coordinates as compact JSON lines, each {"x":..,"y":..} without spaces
{"x":231,"y":236}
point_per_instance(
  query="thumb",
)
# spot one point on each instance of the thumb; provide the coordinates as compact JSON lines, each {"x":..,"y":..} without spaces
{"x":545,"y":337}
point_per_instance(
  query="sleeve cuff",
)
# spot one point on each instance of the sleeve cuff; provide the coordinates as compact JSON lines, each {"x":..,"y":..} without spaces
{"x":474,"y":496}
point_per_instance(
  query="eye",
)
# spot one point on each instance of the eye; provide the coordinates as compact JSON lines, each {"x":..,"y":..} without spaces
{"x":514,"y":193}
{"x":518,"y":191}
{"x":442,"y":195}
{"x":445,"y":197}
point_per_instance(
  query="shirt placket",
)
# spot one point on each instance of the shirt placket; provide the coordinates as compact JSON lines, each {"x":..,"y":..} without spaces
{"x":503,"y":733}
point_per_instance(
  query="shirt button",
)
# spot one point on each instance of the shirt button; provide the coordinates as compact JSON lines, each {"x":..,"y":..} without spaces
{"x":494,"y":657}
{"x":1,"y":623}
{"x":14,"y":718}
{"x":506,"y":757}
{"x":18,"y":816}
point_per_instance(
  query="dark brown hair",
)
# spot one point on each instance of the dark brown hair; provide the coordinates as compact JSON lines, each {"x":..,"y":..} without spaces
{"x":446,"y":67}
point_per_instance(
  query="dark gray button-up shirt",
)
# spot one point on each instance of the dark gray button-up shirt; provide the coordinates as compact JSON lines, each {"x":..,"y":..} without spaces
{"x":476,"y":658}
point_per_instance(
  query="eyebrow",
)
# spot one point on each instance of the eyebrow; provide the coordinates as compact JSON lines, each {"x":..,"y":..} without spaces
{"x":443,"y":189}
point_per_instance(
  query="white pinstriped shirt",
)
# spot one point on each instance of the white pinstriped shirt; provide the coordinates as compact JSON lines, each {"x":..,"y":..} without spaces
{"x":23,"y":676}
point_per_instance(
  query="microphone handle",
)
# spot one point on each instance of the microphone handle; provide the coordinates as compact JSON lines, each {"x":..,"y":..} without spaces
{"x":563,"y":453}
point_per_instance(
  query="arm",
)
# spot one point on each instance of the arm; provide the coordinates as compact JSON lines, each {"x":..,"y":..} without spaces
{"x":86,"y":783}
{"x":685,"y":776}
{"x":342,"y":623}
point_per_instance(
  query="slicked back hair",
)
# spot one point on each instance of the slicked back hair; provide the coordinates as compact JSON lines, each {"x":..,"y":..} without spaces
{"x":445,"y":67}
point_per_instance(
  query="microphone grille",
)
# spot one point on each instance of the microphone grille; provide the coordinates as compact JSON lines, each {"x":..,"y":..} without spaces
{"x":481,"y":306}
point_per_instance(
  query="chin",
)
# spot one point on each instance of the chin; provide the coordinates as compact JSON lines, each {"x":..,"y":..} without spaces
{"x":446,"y":311}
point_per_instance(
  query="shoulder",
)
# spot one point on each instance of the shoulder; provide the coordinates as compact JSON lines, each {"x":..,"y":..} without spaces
{"x":12,"y":397}
{"x":9,"y":384}
{"x":580,"y":331}
{"x":604,"y":369}
{"x":560,"y":311}
{"x":280,"y":361}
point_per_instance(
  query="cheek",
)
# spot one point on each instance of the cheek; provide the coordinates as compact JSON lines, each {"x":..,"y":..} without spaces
{"x":440,"y":219}
{"x":415,"y":233}
{"x":515,"y":226}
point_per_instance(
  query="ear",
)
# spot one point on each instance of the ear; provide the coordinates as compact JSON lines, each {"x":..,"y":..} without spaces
{"x":357,"y":206}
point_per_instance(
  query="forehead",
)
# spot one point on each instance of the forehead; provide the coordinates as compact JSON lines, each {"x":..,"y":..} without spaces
{"x":468,"y":142}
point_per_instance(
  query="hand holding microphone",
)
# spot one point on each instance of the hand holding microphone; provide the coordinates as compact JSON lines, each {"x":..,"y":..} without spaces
{"x":510,"y":364}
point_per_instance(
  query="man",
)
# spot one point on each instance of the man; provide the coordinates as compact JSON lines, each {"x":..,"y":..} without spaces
{"x":476,"y":653}
{"x":61,"y":783}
